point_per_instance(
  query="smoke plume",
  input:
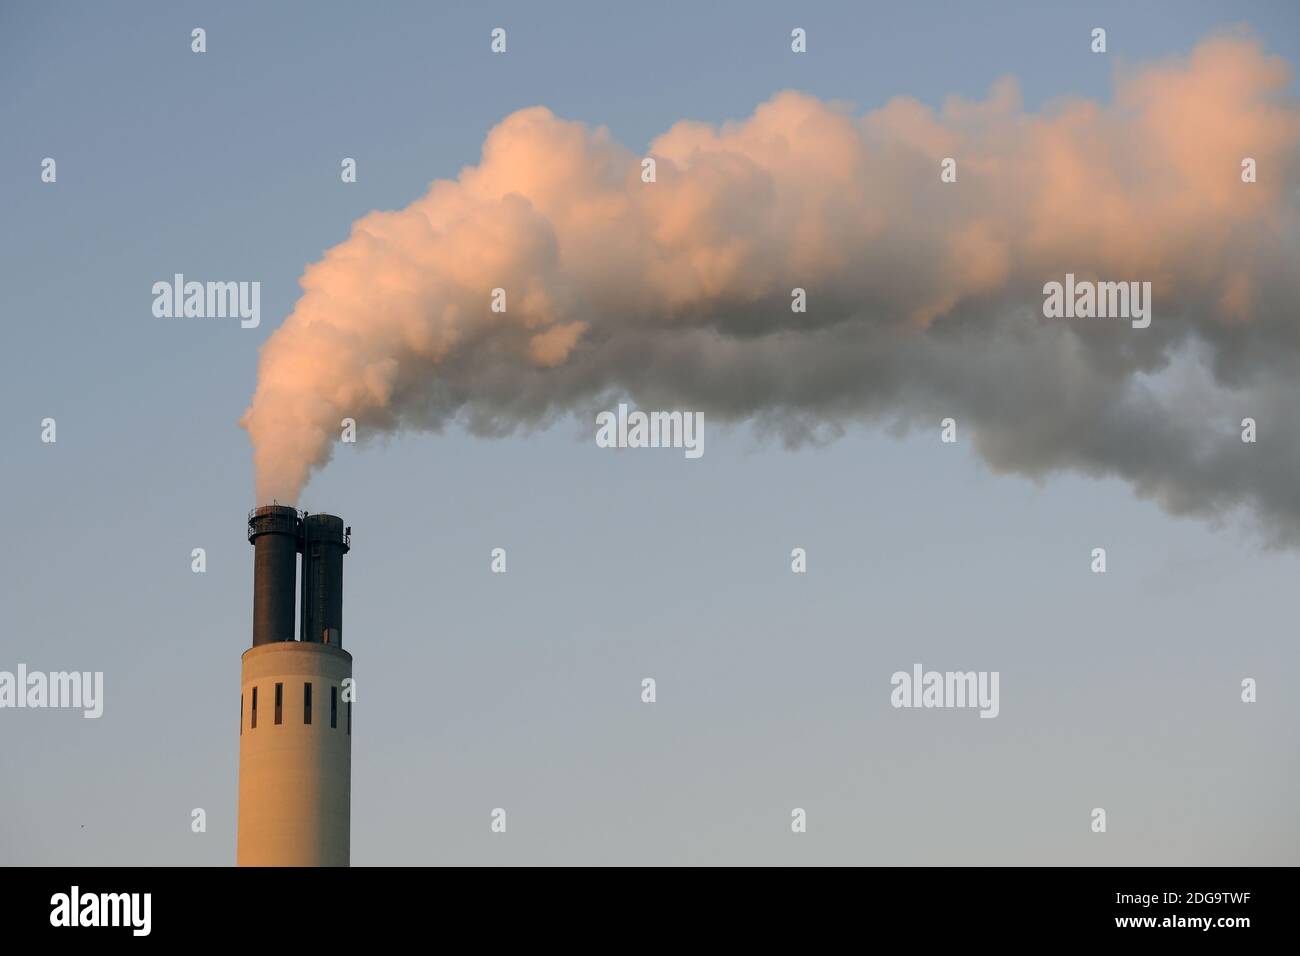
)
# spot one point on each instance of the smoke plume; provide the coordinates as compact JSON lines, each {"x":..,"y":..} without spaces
{"x":924,"y":298}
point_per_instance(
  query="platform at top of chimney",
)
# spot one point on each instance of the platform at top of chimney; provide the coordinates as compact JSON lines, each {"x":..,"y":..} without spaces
{"x":272,"y":519}
{"x":302,"y":525}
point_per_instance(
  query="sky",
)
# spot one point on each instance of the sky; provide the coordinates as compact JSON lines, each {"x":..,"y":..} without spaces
{"x":523,"y":690}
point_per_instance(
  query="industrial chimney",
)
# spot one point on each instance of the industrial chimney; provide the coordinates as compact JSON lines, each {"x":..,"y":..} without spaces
{"x":295,"y":712}
{"x":324,"y":542}
{"x":274,"y":533}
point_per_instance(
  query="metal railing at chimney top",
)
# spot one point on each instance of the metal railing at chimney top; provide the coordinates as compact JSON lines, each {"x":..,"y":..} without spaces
{"x":346,"y":537}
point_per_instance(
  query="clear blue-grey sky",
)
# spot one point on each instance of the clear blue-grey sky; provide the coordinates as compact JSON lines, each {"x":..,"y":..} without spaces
{"x":522,"y":690}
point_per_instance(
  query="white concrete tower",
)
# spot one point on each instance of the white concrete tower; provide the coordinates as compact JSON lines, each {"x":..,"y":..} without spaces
{"x":295,"y":727}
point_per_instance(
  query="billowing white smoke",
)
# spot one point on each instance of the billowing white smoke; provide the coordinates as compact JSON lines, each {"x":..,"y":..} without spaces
{"x":924,"y":297}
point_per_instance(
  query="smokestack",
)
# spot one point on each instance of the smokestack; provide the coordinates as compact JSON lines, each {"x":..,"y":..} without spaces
{"x":295,"y":708}
{"x":324,"y":542}
{"x":273,"y":531}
